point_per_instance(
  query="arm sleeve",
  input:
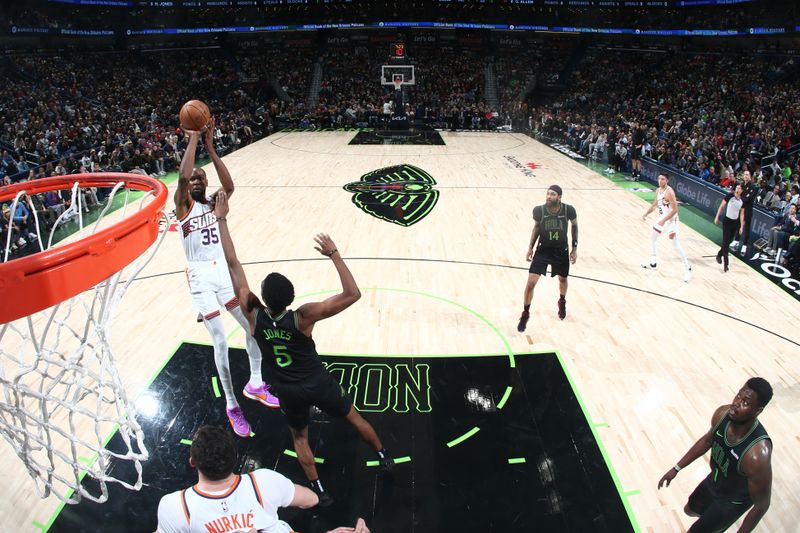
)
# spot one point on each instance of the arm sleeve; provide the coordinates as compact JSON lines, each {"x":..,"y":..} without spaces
{"x":275,"y":488}
{"x":170,"y":515}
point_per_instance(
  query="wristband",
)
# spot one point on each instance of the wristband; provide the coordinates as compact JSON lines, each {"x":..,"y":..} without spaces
{"x":221,"y":218}
{"x":332,"y":252}
{"x":677,"y":468}
{"x":575,"y":244}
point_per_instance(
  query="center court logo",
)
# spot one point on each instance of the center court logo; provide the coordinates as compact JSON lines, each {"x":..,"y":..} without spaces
{"x":401,"y":194}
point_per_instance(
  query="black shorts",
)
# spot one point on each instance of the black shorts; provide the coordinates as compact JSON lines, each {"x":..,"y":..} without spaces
{"x":636,"y":153}
{"x":557,"y":257}
{"x":322,"y":391}
{"x":717,"y":513}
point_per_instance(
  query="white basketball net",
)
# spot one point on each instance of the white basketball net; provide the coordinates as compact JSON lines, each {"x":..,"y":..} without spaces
{"x":61,"y":397}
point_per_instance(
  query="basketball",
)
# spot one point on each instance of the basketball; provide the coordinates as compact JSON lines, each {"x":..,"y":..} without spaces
{"x":194,"y":115}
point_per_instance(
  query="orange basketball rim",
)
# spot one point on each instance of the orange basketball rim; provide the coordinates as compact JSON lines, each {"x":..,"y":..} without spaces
{"x":41,"y":280}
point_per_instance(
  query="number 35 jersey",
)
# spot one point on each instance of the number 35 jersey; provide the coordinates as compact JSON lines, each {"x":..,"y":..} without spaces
{"x":290,"y":356}
{"x":200,"y":233}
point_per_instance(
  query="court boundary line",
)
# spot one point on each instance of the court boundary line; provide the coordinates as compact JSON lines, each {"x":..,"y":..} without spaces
{"x":525,"y":268}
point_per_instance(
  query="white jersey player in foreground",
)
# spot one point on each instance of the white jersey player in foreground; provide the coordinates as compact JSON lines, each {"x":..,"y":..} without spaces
{"x":226,"y":502}
{"x":207,"y":273}
{"x":667,"y":205}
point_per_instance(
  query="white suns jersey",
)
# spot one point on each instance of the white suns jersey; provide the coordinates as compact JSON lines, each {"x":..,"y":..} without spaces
{"x":664,"y":207}
{"x":199,"y":232}
{"x":252,"y":502}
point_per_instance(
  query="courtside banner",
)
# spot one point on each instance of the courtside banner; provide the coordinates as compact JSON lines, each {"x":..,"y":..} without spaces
{"x":704,"y":196}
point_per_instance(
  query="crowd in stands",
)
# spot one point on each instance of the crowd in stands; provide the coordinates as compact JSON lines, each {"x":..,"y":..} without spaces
{"x":115,"y":112}
{"x":448,"y":89}
{"x":711,"y":116}
{"x":138,"y":15}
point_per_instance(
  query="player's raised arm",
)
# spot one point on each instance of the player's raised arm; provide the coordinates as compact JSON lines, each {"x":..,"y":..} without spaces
{"x":238,"y":278}
{"x":222,"y":171}
{"x":313,"y":312}
{"x":182,"y":198}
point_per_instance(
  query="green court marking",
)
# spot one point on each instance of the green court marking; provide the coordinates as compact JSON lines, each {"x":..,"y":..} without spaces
{"x":623,"y":495}
{"x":186,"y":442}
{"x":504,"y":399}
{"x":397,"y":461}
{"x":215,"y":386}
{"x":633,"y":492}
{"x":516,"y":460}
{"x":428,"y":355}
{"x":600,"y":425}
{"x":508,"y":353}
{"x":86,"y":460}
{"x":292,"y":453}
{"x":113,"y":432}
{"x":463,"y":437}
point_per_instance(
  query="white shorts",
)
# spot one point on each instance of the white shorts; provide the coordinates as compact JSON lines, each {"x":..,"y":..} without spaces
{"x":211,"y":287}
{"x":670,"y":228}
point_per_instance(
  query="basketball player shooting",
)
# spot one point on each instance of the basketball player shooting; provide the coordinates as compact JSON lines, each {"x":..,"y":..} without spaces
{"x":207,"y":273}
{"x":667,"y":206}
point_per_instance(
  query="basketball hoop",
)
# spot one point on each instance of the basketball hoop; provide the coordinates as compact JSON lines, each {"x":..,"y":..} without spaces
{"x":57,"y":372}
{"x":398,"y":84}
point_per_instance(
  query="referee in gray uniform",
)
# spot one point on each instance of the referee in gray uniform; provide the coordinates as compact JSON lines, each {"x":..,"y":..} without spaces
{"x":733,"y":220}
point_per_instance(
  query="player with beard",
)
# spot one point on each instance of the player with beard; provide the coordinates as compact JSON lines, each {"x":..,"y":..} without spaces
{"x":741,"y":464}
{"x":207,"y":273}
{"x":550,"y":229}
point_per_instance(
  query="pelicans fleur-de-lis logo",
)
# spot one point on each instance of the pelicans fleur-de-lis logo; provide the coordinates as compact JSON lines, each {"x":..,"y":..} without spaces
{"x":401,"y":194}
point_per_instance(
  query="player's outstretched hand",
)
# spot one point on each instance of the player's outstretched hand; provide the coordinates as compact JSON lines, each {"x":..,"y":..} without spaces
{"x":667,"y":478}
{"x":208,"y":138}
{"x":221,"y":204}
{"x":326,"y":245}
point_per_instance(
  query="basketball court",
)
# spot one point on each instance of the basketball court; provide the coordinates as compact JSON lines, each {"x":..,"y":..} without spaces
{"x":567,"y":427}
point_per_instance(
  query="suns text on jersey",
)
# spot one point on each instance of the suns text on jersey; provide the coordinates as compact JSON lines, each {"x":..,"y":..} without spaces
{"x":196,"y":223}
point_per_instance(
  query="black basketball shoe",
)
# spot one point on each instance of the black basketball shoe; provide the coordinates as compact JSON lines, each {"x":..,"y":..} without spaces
{"x":562,"y":308}
{"x":523,"y":321}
